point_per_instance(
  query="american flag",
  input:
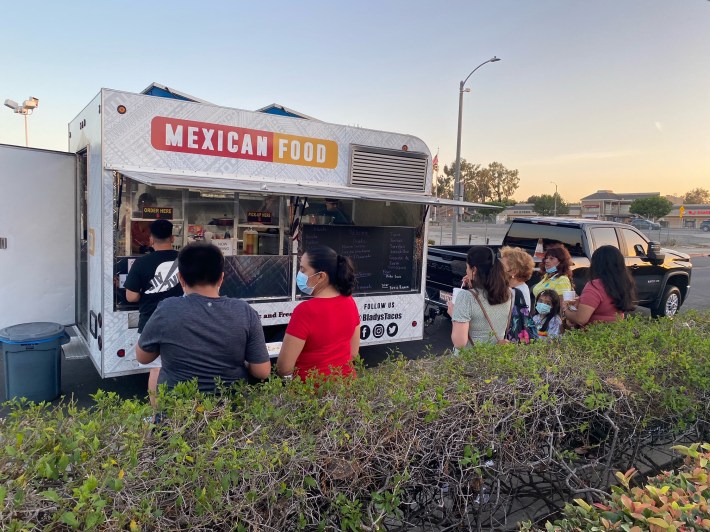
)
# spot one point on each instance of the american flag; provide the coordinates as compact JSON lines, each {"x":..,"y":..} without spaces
{"x":435,"y":162}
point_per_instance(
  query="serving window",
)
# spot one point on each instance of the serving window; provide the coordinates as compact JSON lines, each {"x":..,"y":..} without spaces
{"x":253,"y":230}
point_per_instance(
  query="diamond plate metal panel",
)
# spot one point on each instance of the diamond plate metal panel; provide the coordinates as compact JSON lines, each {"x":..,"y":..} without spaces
{"x":257,"y":276}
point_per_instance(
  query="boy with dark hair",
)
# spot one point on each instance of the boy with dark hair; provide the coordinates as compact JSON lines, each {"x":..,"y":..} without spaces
{"x":204,"y":335}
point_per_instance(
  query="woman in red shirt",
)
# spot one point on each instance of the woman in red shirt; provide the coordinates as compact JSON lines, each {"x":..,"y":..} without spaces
{"x":323,"y":335}
{"x":610,"y":292}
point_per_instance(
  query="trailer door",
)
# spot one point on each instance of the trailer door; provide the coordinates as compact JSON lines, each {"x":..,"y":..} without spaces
{"x":37,"y":236}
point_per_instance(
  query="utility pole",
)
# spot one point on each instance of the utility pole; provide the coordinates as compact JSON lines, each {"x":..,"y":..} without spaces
{"x":555,"y":196}
{"x":457,"y":177}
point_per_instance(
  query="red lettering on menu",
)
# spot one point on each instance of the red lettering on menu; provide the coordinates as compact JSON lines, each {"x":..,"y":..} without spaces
{"x":202,"y":138}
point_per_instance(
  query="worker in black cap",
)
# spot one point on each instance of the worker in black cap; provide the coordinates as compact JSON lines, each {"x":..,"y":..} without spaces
{"x":333,"y":210}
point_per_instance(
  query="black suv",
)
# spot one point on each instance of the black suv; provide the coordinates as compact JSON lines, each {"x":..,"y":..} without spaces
{"x":705,"y":225}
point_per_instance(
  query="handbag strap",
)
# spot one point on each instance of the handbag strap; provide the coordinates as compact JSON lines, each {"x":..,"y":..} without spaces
{"x":485,"y":314}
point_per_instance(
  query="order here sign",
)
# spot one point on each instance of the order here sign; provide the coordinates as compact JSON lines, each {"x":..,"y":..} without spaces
{"x":203,"y":138}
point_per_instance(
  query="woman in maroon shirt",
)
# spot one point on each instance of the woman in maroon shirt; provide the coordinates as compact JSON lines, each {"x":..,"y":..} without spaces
{"x":610,"y":293}
{"x":324,"y":331}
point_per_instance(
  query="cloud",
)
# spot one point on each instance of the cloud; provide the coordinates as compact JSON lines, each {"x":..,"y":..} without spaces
{"x":659,"y":126}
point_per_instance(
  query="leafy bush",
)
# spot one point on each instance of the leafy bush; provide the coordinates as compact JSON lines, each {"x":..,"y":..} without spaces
{"x":452,"y":440}
{"x":670,"y":501}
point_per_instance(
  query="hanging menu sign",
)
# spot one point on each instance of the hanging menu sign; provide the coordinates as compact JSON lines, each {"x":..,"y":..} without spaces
{"x":153,"y":213}
{"x":383,"y":256}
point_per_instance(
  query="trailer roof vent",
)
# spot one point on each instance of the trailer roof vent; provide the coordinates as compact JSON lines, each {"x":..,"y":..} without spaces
{"x":384,"y":169}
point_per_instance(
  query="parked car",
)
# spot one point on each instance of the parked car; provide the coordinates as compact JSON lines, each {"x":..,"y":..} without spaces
{"x":662,"y":275}
{"x":705,"y":225}
{"x":642,"y":223}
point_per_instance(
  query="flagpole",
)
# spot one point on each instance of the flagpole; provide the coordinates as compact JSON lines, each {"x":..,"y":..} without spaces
{"x":435,"y":170}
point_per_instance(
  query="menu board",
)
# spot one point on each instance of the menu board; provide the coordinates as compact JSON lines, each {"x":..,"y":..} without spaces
{"x":383,"y":256}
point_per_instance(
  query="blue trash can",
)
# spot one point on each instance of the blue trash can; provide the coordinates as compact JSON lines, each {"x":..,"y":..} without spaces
{"x":32,"y":354}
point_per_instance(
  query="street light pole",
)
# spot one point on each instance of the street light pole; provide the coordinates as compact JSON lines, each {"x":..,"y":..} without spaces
{"x":457,"y":175}
{"x":555,"y":196}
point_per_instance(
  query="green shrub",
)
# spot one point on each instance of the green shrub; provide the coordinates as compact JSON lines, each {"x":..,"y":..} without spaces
{"x":438,"y":440}
{"x":670,"y":501}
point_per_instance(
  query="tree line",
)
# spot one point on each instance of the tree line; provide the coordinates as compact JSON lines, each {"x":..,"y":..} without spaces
{"x":495,"y":184}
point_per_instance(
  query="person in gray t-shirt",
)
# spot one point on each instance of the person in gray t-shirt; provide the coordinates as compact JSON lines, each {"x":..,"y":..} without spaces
{"x":204,"y":335}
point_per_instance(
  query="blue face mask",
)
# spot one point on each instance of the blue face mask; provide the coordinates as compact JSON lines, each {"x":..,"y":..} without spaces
{"x":543,"y":308}
{"x":551,"y":270}
{"x":302,"y":283}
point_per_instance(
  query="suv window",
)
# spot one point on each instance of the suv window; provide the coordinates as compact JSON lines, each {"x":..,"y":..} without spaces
{"x":525,"y":235}
{"x":604,"y":236}
{"x":632,"y":239}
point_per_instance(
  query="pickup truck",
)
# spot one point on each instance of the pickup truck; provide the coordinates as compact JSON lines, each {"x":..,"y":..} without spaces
{"x":662,"y":276}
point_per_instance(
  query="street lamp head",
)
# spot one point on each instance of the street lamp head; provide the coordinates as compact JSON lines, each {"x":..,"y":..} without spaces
{"x":12,"y":104}
{"x":32,"y":103}
{"x":495,"y":59}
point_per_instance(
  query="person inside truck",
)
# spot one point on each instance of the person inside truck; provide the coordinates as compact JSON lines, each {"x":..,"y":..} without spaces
{"x":204,"y":336}
{"x":610,"y":293}
{"x":333,"y":210}
{"x":323,"y":335}
{"x":482,"y":313}
{"x":140,"y":230}
{"x":557,"y":265}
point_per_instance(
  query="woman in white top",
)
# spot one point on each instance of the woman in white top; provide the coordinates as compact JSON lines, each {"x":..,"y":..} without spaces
{"x":519,"y":266}
{"x":481,"y":314}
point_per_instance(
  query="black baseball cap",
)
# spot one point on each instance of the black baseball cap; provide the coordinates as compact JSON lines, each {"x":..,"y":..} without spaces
{"x":161,"y":229}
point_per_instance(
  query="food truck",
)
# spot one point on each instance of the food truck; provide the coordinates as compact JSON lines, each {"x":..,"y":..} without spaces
{"x":263,"y":188}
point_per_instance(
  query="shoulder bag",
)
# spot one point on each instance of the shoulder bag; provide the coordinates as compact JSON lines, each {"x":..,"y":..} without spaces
{"x":490,"y":324}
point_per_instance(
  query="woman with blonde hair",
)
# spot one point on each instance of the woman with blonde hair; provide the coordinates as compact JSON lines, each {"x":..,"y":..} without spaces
{"x":519,"y":266}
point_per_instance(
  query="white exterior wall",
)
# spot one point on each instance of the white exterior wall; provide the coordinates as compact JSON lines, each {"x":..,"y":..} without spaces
{"x":85,"y":132}
{"x":37,"y":217}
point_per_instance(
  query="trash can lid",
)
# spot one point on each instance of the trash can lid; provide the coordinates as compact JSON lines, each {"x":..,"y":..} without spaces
{"x":31,"y":332}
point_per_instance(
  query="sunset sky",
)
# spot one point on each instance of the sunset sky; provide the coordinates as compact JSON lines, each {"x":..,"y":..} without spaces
{"x":604,"y":94}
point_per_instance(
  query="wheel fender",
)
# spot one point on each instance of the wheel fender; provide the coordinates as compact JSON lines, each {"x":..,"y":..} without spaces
{"x":665,"y":284}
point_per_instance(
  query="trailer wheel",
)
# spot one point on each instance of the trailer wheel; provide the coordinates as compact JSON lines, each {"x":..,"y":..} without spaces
{"x":431,"y":324}
{"x":669,"y":304}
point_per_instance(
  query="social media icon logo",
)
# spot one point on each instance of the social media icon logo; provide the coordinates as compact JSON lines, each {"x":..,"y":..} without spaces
{"x":378,"y":330}
{"x":392,"y":329}
{"x":364,"y":332}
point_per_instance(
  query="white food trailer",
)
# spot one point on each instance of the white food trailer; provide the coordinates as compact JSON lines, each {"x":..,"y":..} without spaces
{"x":254,"y":184}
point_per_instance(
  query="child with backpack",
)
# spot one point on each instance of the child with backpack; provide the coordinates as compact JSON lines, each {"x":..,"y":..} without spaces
{"x":547,"y":317}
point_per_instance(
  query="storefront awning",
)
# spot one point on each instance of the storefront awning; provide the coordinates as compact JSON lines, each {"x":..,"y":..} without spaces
{"x":212,"y":182}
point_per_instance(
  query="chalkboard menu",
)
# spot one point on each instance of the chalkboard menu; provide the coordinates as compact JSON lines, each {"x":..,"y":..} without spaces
{"x":383,"y":256}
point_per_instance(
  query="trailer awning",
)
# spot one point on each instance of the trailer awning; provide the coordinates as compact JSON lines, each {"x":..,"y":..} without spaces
{"x":212,"y":182}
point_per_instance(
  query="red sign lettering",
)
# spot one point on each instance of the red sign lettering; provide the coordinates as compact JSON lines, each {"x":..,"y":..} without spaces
{"x":188,"y":136}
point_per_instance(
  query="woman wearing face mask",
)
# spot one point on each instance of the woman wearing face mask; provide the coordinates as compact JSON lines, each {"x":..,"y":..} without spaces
{"x":323,"y":334}
{"x":557,"y":265}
